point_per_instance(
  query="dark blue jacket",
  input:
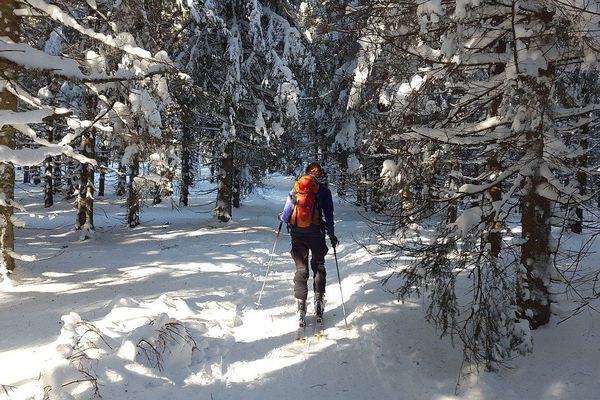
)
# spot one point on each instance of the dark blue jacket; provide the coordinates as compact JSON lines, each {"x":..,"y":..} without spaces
{"x":325,"y":208}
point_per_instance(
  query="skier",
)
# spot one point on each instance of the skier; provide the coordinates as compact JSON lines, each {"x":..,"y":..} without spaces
{"x":308,"y":212}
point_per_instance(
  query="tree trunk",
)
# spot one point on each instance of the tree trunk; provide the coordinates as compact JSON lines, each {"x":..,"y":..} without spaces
{"x":26,"y":177}
{"x":56,"y":174}
{"x":186,"y":173}
{"x":494,"y":235}
{"x":103,"y":161}
{"x":237,"y":189}
{"x":121,"y":180}
{"x":102,"y":182}
{"x":342,"y":174}
{"x":70,"y":180}
{"x":48,"y":178}
{"x":36,"y":175}
{"x":223,"y":210}
{"x":9,"y":26}
{"x":133,"y":198}
{"x":582,"y":161}
{"x":85,"y":212}
{"x":533,"y":278}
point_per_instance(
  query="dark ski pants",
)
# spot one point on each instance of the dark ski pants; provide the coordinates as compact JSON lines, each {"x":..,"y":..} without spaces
{"x":301,"y":246}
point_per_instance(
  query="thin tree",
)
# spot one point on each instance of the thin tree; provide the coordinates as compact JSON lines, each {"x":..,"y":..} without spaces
{"x":9,"y":26}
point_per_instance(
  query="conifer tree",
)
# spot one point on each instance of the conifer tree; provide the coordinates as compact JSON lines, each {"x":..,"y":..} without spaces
{"x":471,"y":121}
{"x":9,"y":26}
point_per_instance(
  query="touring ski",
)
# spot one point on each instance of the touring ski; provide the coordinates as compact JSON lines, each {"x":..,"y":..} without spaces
{"x":301,"y":334}
{"x":319,"y":327}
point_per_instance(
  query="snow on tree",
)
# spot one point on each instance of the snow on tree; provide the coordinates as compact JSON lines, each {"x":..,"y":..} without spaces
{"x":97,"y":85}
{"x":9,"y":25}
{"x":247,"y":85}
{"x":469,"y":111}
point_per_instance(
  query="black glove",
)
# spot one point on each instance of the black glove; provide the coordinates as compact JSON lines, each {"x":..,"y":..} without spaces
{"x":334,"y":240}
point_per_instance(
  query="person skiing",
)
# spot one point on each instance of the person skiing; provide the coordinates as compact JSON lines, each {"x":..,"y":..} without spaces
{"x":308,"y":212}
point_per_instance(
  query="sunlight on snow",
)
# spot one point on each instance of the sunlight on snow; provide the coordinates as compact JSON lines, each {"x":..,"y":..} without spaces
{"x":113,"y":376}
{"x":557,"y":390}
{"x":48,"y":287}
{"x":278,"y":359}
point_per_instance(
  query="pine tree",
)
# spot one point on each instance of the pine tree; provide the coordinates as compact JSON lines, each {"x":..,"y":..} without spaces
{"x":9,"y":26}
{"x":474,"y":133}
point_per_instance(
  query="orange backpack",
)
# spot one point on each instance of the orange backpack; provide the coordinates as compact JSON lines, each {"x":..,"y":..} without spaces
{"x":305,"y":211}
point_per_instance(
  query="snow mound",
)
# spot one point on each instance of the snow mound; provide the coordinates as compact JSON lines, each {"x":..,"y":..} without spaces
{"x":135,"y":341}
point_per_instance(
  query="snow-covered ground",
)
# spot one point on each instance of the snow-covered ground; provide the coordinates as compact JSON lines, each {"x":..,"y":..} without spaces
{"x":166,"y":311}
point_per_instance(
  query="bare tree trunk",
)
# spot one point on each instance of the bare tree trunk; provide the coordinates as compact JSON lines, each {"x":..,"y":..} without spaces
{"x":9,"y":26}
{"x":121,"y":180}
{"x":133,"y":198}
{"x":26,"y":177}
{"x":494,"y":235}
{"x":186,"y":173}
{"x":237,"y":189}
{"x":533,"y":296}
{"x":342,"y":174}
{"x":70,"y":180}
{"x":36,"y":174}
{"x":223,"y":210}
{"x":56,"y":174}
{"x":577,"y":226}
{"x":103,"y":161}
{"x":85,"y":212}
{"x":48,"y":178}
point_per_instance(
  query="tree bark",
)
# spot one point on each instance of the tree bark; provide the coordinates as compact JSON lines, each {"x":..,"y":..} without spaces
{"x":533,"y":277}
{"x":121,"y":180}
{"x":186,"y":173}
{"x":133,"y":198}
{"x":85,"y":212}
{"x":236,"y":197}
{"x":57,"y":174}
{"x":342,"y":158}
{"x":36,"y":175}
{"x":48,"y":174}
{"x":581,"y":177}
{"x":26,"y":178}
{"x":9,"y":26}
{"x":223,"y":210}
{"x":103,"y":161}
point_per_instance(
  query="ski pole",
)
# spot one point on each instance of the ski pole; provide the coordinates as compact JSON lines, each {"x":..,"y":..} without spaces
{"x":269,"y":265}
{"x":340,"y":282}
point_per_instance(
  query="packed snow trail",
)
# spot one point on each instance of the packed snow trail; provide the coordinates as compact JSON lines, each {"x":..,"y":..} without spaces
{"x":183,"y":272}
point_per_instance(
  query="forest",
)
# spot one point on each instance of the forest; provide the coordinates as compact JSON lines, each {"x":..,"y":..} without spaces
{"x":462,"y":131}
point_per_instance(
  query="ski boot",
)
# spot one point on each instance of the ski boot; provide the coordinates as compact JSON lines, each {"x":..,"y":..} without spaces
{"x":319,"y":305}
{"x":319,"y":326}
{"x":301,"y":313}
{"x":301,"y":334}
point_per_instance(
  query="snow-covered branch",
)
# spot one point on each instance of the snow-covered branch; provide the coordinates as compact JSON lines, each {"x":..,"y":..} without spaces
{"x":59,"y":15}
{"x":28,"y":57}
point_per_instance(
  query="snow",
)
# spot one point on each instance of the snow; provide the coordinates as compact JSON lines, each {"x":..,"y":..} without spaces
{"x":370,"y":47}
{"x":31,"y":58}
{"x":54,"y":45}
{"x":104,"y":305}
{"x":466,"y":221}
{"x":57,"y":14}
{"x":8,"y":117}
{"x":346,"y":137}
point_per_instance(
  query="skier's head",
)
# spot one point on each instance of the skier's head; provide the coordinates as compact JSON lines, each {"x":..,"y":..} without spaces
{"x":314,"y":169}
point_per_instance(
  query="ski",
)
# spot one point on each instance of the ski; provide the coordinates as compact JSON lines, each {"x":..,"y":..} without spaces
{"x":319,"y":328}
{"x":301,"y":334}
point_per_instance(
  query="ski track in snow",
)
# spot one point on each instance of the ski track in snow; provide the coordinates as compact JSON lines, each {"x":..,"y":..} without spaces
{"x":183,"y":266}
